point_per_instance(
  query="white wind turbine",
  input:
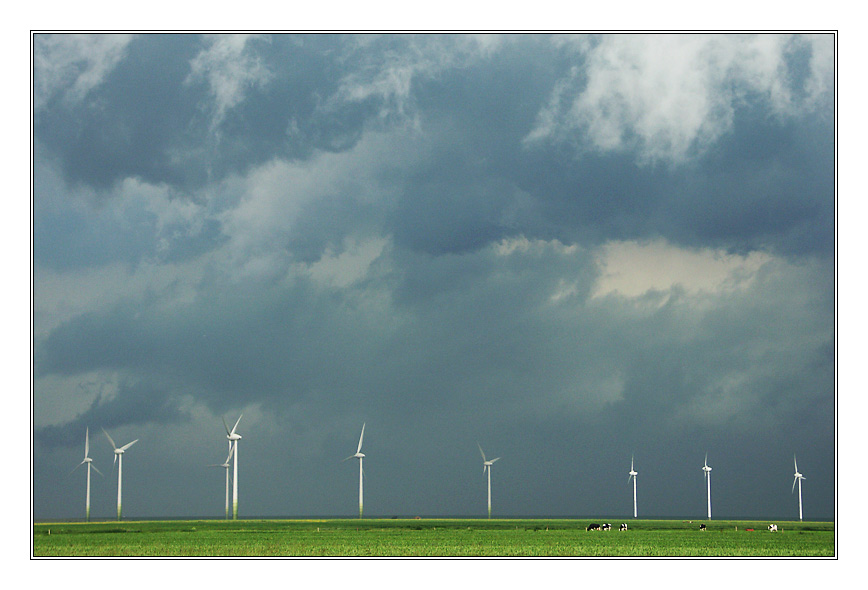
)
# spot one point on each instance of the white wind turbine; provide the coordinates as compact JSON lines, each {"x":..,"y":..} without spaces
{"x":225,"y":465}
{"x":234,"y":437}
{"x":360,"y":456}
{"x":87,"y":460}
{"x":707,"y":470}
{"x":119,"y":459}
{"x":486,"y":466}
{"x":633,"y":474}
{"x":798,"y":477}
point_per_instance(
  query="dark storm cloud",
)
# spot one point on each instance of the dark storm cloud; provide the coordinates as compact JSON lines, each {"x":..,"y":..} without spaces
{"x":135,"y":403}
{"x":433,"y":235}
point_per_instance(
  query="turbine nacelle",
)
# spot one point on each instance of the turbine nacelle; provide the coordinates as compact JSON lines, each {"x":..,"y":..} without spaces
{"x":231,"y":434}
{"x":118,"y":450}
{"x":485,"y":462}
{"x":797,"y":475}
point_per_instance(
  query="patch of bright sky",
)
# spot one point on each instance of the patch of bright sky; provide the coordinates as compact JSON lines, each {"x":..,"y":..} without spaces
{"x":631,"y":269}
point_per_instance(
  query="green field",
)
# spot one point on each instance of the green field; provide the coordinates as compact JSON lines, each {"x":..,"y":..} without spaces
{"x":431,"y":538}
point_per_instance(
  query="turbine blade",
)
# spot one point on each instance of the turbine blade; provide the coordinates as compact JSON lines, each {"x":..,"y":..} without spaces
{"x":114,"y":461}
{"x":231,"y":452}
{"x":481,"y":451}
{"x":86,"y":441}
{"x":114,"y":446}
{"x":226,"y":426}
{"x":794,"y":485}
{"x":97,"y":470}
{"x":236,"y":423}
{"x":493,"y":460}
{"x":76,"y":467}
{"x":359,"y":450}
{"x":128,"y":445}
{"x":350,"y":457}
{"x":706,"y":459}
{"x":631,"y":462}
{"x":796,"y":465}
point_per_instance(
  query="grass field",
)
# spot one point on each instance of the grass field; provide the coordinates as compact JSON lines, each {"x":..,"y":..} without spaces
{"x":430,"y":538}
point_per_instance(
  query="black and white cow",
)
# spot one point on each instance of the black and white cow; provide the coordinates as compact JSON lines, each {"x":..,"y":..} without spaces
{"x":607,"y":526}
{"x":702,"y":527}
{"x":593,"y":527}
{"x":773,"y":528}
{"x":623,"y":526}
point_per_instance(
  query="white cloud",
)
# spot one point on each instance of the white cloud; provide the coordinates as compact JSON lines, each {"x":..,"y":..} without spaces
{"x":230,"y":67}
{"x":351,"y":264}
{"x":670,"y":96}
{"x":73,"y":65}
{"x":522,"y":245}
{"x":388,"y":76}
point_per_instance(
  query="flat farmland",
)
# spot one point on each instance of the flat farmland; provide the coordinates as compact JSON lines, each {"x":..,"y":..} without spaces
{"x":430,"y":538}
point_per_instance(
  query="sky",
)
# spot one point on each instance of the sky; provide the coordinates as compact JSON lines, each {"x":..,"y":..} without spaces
{"x":568,"y":249}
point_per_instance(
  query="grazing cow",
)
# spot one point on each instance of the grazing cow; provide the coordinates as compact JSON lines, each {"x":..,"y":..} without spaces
{"x":702,"y":527}
{"x":593,"y":527}
{"x":773,"y":528}
{"x":623,"y":526}
{"x":607,"y":526}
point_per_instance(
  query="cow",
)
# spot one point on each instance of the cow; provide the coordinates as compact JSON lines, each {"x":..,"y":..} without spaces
{"x":623,"y":526}
{"x":702,"y":527}
{"x":773,"y":528}
{"x":606,"y":526}
{"x":593,"y":527}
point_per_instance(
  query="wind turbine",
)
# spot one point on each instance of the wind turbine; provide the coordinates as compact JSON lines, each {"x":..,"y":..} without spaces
{"x":225,"y":465}
{"x":633,"y":474}
{"x":87,"y":460}
{"x":798,"y":477}
{"x":707,"y":470}
{"x":486,"y":466}
{"x":233,"y":442}
{"x":119,"y":459}
{"x":360,"y":456}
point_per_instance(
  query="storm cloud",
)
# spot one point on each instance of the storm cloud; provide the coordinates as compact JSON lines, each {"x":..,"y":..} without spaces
{"x":568,"y":248}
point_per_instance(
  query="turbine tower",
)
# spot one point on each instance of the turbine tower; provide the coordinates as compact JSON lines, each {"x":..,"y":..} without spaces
{"x":707,"y":471}
{"x":119,"y":459}
{"x":225,"y":465}
{"x":798,"y":477}
{"x":633,"y":474}
{"x":486,"y":466}
{"x":87,"y":460}
{"x":360,"y":456}
{"x":234,"y":437}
